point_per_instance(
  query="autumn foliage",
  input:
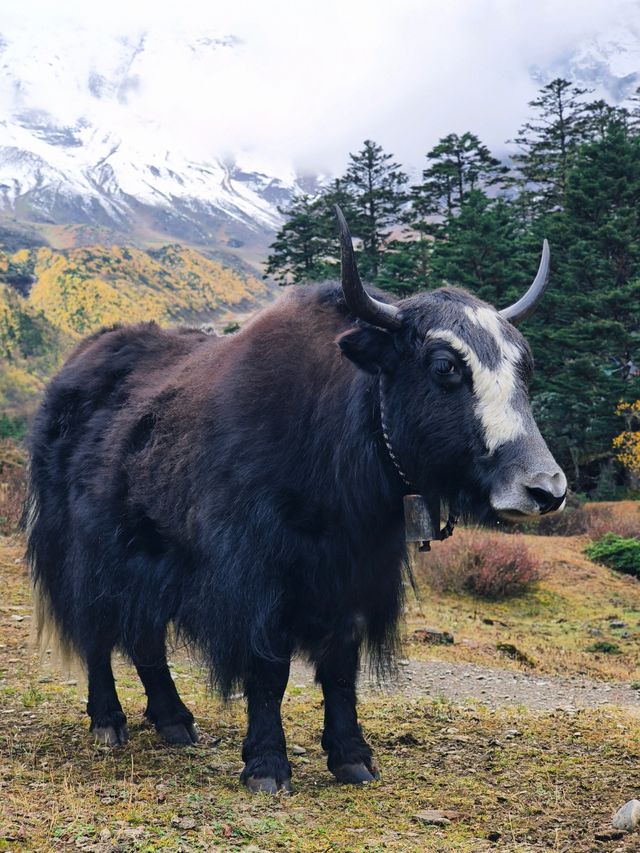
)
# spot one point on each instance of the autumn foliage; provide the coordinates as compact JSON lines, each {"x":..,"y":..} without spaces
{"x":627,"y":443}
{"x":76,"y":291}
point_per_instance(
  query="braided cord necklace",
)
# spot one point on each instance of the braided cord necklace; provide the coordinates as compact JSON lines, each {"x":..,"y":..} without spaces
{"x":452,"y":518}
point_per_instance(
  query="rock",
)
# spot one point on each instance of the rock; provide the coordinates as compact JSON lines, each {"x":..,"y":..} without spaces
{"x":183,"y":822}
{"x":298,"y":750}
{"x":514,"y":653}
{"x":433,"y":636}
{"x":595,"y":632}
{"x":608,"y":834}
{"x":435,"y":817}
{"x":512,"y":733}
{"x":628,"y":816}
{"x":617,"y":623}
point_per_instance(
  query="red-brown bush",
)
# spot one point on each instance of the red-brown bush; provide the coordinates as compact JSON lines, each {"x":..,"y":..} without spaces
{"x":486,"y":565}
{"x":602,"y":520}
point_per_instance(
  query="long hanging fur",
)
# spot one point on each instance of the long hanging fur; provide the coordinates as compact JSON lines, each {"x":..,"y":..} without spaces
{"x":234,"y":487}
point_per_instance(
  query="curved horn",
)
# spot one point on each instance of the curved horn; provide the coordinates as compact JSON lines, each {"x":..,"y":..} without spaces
{"x":528,"y":303}
{"x":358,"y":300}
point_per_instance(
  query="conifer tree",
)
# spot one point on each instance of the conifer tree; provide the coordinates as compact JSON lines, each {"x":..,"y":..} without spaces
{"x":482,"y":251}
{"x":547,"y":145}
{"x":458,"y":165}
{"x":304,"y":248}
{"x":377,"y":186}
{"x":591,"y":313}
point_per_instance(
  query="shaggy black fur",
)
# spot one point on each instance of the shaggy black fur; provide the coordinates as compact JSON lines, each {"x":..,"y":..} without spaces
{"x":238,"y":488}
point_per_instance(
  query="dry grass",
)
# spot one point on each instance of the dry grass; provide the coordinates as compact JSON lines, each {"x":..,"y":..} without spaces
{"x":12,"y":484}
{"x":549,"y":788}
{"x":571,"y":607}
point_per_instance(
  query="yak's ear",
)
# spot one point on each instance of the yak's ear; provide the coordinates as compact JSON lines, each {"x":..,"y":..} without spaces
{"x":370,"y":349}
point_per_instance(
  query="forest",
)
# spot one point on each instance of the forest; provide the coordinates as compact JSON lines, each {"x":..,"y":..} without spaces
{"x":477,"y":221}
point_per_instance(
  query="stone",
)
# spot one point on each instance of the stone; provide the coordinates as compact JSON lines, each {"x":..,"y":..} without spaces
{"x":435,"y":817}
{"x":433,"y":636}
{"x":514,"y":653}
{"x":608,"y":834}
{"x":617,"y":623}
{"x":627,"y":817}
{"x":298,"y":750}
{"x":183,"y":822}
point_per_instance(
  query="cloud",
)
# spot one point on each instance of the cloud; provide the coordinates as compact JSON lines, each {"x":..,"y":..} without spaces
{"x":302,"y":82}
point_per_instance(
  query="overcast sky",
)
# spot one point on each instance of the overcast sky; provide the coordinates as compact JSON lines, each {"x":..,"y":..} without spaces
{"x":307,"y":81}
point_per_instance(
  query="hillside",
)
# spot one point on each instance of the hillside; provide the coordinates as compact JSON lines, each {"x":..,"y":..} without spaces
{"x":50,"y":299}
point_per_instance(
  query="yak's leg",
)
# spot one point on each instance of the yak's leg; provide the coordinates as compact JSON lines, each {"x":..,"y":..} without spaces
{"x":166,"y":710}
{"x":349,"y":755}
{"x":108,"y":722}
{"x":264,"y":751}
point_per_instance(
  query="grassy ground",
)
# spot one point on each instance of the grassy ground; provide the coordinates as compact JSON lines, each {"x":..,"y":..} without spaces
{"x":517,"y":780}
{"x":555,"y":626}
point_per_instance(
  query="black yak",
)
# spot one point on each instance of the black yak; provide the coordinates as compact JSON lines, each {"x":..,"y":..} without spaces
{"x":249,"y":490}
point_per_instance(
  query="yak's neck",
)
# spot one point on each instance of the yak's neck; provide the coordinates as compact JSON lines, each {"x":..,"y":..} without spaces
{"x":371,"y":483}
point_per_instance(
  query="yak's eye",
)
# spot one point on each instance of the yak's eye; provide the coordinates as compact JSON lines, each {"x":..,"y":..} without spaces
{"x":444,"y":366}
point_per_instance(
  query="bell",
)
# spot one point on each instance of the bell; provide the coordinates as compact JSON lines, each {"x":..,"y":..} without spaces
{"x":421,"y":520}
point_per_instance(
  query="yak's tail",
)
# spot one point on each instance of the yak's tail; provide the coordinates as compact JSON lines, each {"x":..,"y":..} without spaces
{"x":47,"y":632}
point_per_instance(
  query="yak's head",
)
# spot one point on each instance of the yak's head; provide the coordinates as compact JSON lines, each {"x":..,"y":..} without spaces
{"x":453,"y":374}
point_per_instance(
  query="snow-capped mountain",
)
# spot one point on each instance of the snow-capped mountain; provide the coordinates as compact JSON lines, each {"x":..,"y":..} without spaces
{"x":75,"y":150}
{"x":86,"y":173}
{"x":173,"y":134}
{"x":608,"y":64}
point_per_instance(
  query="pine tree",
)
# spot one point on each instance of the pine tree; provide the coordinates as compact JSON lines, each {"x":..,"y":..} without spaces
{"x":377,"y":186}
{"x":591,"y":313}
{"x":458,"y":165}
{"x":305,"y":247}
{"x":548,"y":144}
{"x":482,"y":251}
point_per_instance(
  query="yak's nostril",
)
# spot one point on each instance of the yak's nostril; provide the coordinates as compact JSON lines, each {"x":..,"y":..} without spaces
{"x":547,"y":501}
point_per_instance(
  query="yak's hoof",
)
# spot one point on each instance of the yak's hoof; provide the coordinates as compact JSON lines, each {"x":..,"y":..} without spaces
{"x":267,"y":785}
{"x":179,"y":734}
{"x":111,"y":735}
{"x":355,"y":774}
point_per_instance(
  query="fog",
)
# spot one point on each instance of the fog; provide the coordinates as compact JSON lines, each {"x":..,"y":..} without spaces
{"x":298,"y":83}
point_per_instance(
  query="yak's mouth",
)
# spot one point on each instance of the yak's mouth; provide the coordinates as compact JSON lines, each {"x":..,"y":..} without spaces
{"x":482,"y":508}
{"x":518,"y":515}
{"x":527,"y":505}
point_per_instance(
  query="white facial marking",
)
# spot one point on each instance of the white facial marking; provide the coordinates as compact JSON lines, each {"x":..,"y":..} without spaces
{"x":493,"y":388}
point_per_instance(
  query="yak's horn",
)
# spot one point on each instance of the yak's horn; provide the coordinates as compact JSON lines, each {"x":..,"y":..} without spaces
{"x":358,"y":300}
{"x":528,"y":303}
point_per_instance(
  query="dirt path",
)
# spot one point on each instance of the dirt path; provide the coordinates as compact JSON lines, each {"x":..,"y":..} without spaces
{"x":493,"y":687}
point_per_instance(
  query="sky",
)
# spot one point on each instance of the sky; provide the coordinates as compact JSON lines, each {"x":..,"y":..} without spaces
{"x":299,"y":82}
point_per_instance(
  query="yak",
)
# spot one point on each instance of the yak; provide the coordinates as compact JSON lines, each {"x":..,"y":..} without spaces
{"x":248,"y":490}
